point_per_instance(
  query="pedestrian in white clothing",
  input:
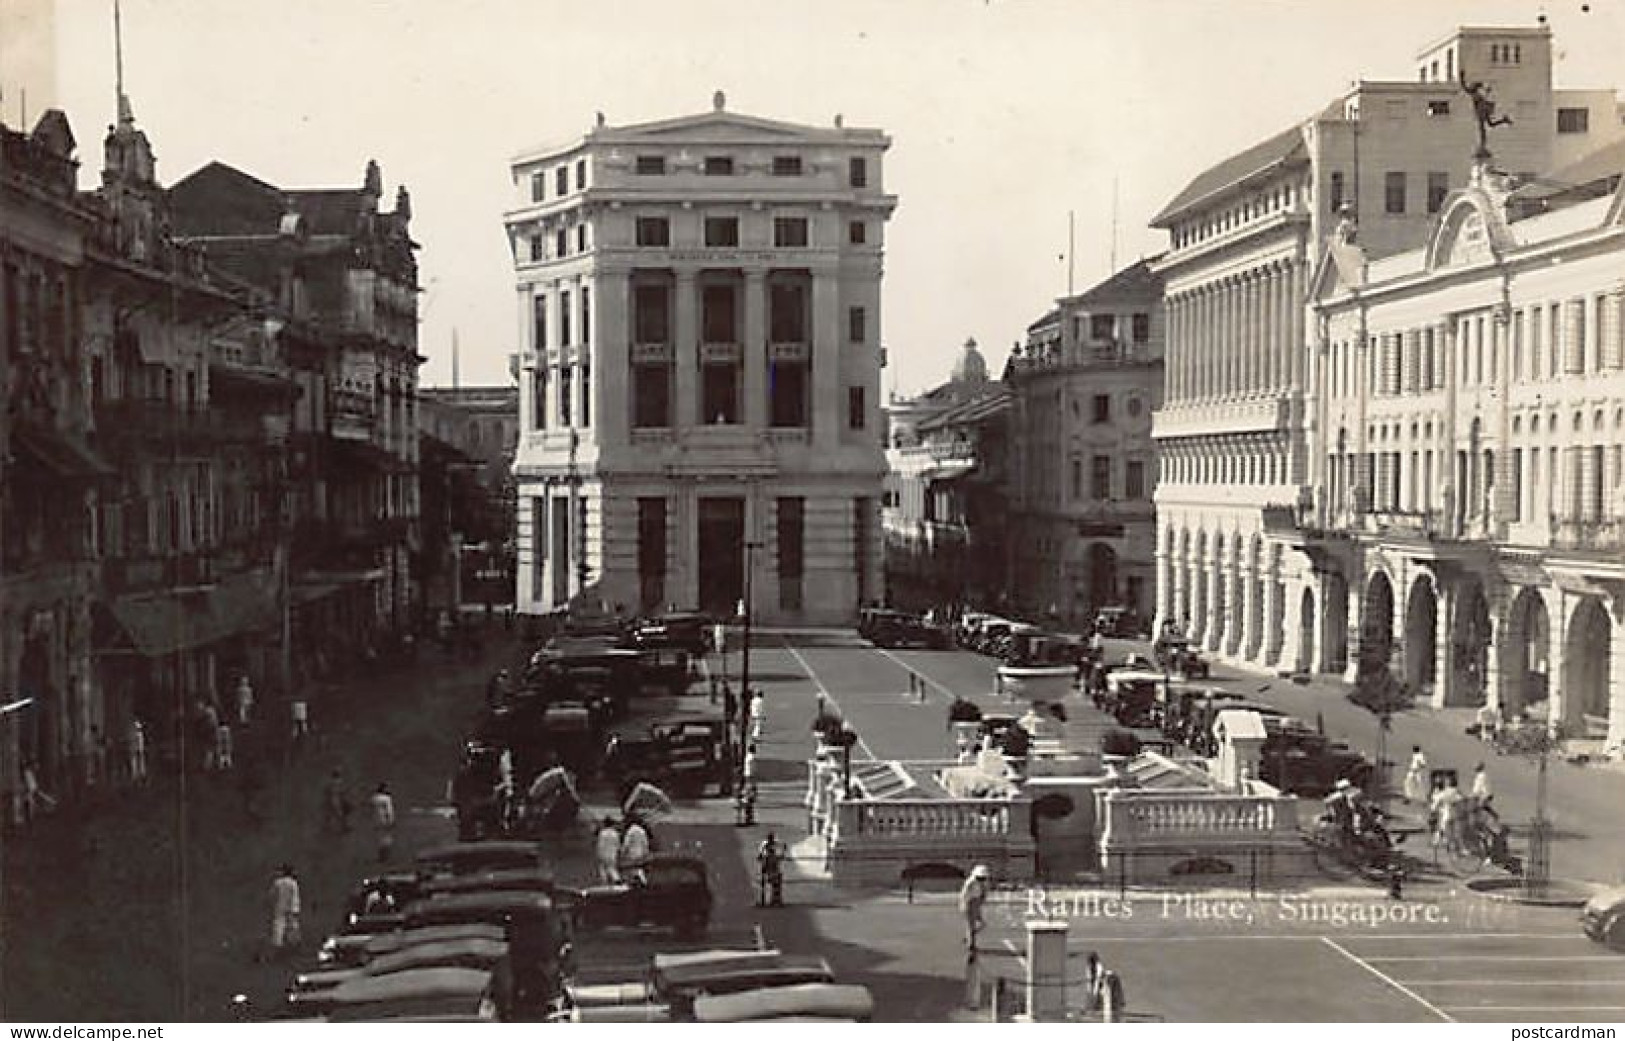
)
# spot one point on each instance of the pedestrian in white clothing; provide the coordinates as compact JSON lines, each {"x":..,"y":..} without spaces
{"x":245,"y":700}
{"x":634,"y":852}
{"x":1481,"y":784}
{"x":383,"y":821}
{"x":222,"y":747}
{"x":285,"y":935}
{"x":137,"y":752}
{"x":607,"y":847}
{"x":1416,"y":776}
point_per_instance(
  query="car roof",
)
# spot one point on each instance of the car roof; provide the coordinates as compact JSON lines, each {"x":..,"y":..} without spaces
{"x":424,"y":955}
{"x":400,"y":939}
{"x":433,"y":982}
{"x":495,"y":879}
{"x":499,"y":900}
{"x":478,"y":850}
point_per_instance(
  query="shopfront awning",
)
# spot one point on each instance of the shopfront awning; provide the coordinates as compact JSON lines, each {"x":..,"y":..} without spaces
{"x":59,"y":453}
{"x":152,"y":625}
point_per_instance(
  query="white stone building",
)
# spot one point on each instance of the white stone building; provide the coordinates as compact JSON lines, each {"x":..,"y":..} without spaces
{"x":1245,"y":235}
{"x":699,"y":319}
{"x":1468,"y":419}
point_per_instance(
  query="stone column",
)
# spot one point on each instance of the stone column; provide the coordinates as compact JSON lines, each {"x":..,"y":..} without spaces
{"x":686,"y":353}
{"x":1557,"y":634}
{"x":754,"y":349}
{"x":1235,"y":609}
{"x":1295,"y":330}
{"x":1248,"y":645}
{"x":1274,"y":621}
{"x":827,"y":406}
{"x":1206,"y":334}
{"x":1236,"y":326}
{"x":1616,"y":675}
{"x":1590,"y":479}
{"x":1179,"y":575}
{"x":1444,"y":654}
{"x":1354,"y":617}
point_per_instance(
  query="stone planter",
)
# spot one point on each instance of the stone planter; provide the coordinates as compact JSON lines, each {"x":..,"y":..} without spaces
{"x":1036,"y":684}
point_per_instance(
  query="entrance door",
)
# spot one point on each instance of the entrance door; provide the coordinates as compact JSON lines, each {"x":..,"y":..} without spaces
{"x":722,"y":554}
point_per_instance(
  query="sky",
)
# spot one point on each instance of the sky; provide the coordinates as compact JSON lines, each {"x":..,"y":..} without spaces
{"x":1005,"y":115}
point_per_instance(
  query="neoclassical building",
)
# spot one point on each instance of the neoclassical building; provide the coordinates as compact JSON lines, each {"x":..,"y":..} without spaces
{"x":1084,"y":387}
{"x":1245,"y":237}
{"x":699,"y":317}
{"x":1467,"y":431}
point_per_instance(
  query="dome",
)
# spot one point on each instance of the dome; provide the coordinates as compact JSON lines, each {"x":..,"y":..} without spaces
{"x":970,"y":368}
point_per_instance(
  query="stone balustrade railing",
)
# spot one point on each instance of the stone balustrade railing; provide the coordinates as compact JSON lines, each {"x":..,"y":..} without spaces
{"x":931,"y":819}
{"x":1132,"y":817}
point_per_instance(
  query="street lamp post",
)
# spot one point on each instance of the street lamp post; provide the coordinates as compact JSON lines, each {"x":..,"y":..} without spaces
{"x":744,"y":665}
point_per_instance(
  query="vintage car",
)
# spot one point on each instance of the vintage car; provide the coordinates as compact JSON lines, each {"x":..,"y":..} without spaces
{"x":664,"y":671}
{"x":489,"y":908}
{"x":806,"y":1002}
{"x":466,"y":953}
{"x":1300,"y":761}
{"x":1177,"y":655}
{"x":675,"y":893}
{"x":594,"y":671}
{"x":683,"y":630}
{"x":887,"y":628}
{"x":352,"y":949}
{"x":1603,"y":917}
{"x":1204,"y":739}
{"x":682,"y":754}
{"x":969,"y":622}
{"x":1131,"y":696}
{"x":1037,"y":647}
{"x":675,"y":981}
{"x":373,"y":899}
{"x":1116,"y":621}
{"x":470,"y":858}
{"x":436,"y":991}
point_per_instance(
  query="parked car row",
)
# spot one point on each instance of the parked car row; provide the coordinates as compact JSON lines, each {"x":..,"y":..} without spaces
{"x":884,"y":627}
{"x":725,"y":986}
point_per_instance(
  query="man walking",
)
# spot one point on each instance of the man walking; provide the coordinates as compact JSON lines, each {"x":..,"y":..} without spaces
{"x":607,"y":847}
{"x":245,"y":700}
{"x":383,"y":821}
{"x":634,"y":852}
{"x":284,"y":911}
{"x":972,"y":897}
{"x":770,"y":873}
{"x":137,"y":752}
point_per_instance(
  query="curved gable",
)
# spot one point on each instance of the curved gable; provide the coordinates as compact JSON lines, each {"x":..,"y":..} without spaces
{"x":1471,"y":230}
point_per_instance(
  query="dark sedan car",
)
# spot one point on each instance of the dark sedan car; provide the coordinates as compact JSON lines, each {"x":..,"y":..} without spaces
{"x":685,"y":631}
{"x":900,"y":629}
{"x":675,"y":894}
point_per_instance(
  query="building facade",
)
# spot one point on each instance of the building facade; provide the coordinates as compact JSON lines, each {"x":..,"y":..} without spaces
{"x":339,"y":273}
{"x":1468,"y":424}
{"x":49,"y":473}
{"x":1084,"y":387}
{"x":1245,"y":236}
{"x":469,"y":436}
{"x":699,"y":311}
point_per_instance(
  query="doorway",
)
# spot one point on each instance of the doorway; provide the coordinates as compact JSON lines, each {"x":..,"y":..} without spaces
{"x":721,"y":554}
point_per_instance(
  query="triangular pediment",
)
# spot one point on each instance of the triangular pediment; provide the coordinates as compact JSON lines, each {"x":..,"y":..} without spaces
{"x":716,"y":126}
{"x":1341,"y":267}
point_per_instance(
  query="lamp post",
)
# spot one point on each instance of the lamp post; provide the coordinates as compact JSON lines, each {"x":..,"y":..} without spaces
{"x":744,"y":666}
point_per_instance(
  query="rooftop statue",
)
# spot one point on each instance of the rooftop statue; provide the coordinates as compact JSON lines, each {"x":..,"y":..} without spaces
{"x":1484,"y":111}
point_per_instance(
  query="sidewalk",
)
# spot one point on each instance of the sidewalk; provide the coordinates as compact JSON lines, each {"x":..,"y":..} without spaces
{"x":154,"y":906}
{"x":1582,"y":801}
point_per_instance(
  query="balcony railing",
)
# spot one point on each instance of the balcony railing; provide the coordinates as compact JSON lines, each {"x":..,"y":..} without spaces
{"x":1596,"y":535}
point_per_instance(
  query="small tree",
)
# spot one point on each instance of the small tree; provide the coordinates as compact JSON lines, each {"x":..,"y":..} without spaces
{"x":1377,"y":691}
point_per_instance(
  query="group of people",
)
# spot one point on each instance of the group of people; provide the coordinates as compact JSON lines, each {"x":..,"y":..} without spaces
{"x":622,"y":849}
{"x":1460,"y":823}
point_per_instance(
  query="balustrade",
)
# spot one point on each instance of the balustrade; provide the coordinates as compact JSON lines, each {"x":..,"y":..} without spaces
{"x":1133,"y":817}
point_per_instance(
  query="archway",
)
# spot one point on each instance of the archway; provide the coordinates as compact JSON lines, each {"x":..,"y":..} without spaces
{"x":1524,"y":662}
{"x":1376,"y":625}
{"x":1336,"y":655}
{"x":1101,"y":562}
{"x":1306,"y":632}
{"x":1217,"y":598}
{"x":1585,"y":670}
{"x":1421,"y":619}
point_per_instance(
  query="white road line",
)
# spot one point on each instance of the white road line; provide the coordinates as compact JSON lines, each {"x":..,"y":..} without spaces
{"x":1536,"y":1008}
{"x":1311,"y":936}
{"x":863,"y":745}
{"x":1496,"y":957}
{"x":1518,"y":983}
{"x":1367,"y":966}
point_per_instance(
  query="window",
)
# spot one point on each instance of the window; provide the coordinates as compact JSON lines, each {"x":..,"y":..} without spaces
{"x":1334,"y":197}
{"x":857,"y":172}
{"x":586,"y":393}
{"x":1438,"y":188}
{"x":722,"y":231}
{"x":1438,"y":108}
{"x":719,"y":393}
{"x":789,"y":231}
{"x":719,"y":166}
{"x":1142,"y":328}
{"x":1393,"y":190}
{"x":538,"y":542}
{"x":856,"y":233}
{"x":581,"y":238}
{"x":651,"y":165}
{"x":1573,"y":120}
{"x":787,"y":390}
{"x":538,"y":398}
{"x":787,"y":313}
{"x":561,"y":243}
{"x":538,"y":187}
{"x":1134,"y":480}
{"x":717,"y":314}
{"x":651,"y":553}
{"x":651,"y":322}
{"x":787,"y":166}
{"x":581,"y":175}
{"x":566,"y":396}
{"x":856,"y":324}
{"x":586,"y":315}
{"x":791,"y":520}
{"x":539,"y":323}
{"x":1102,"y":326}
{"x":561,"y":181}
{"x":538,"y":247}
{"x":564,"y":318}
{"x":1100,"y":477}
{"x":857,"y":416}
{"x":1103,"y":408}
{"x":654,"y":231}
{"x":1077,"y":478}
{"x":651,"y":395}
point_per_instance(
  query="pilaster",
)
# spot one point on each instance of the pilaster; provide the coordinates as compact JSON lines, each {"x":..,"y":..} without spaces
{"x":686,"y":353}
{"x":1446,"y":600}
{"x":755,"y":349}
{"x":824,"y":411}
